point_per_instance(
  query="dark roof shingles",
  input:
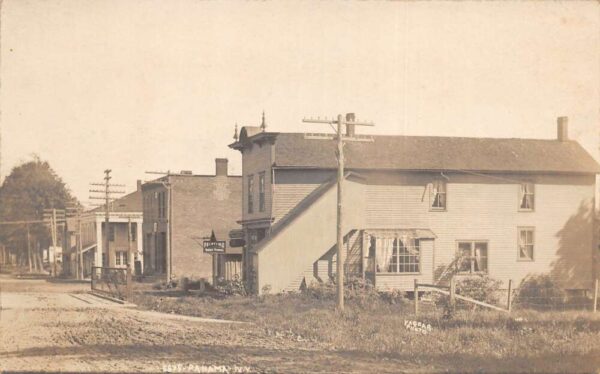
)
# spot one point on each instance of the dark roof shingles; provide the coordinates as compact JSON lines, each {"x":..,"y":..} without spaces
{"x":438,"y":153}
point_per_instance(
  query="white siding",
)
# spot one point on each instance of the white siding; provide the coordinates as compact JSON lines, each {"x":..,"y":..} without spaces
{"x":489,"y":211}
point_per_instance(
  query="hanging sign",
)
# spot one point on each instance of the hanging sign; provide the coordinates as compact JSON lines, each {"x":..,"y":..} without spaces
{"x":213,"y":245}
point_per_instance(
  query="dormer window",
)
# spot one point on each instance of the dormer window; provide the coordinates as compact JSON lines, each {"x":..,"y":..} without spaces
{"x":526,"y":197}
{"x":437,"y":197}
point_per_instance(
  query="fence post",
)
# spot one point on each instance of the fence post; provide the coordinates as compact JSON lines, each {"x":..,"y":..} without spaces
{"x":129,"y":280}
{"x":93,"y":282}
{"x":509,"y":300}
{"x":452,"y":292}
{"x":416,"y":297}
{"x":595,"y":295}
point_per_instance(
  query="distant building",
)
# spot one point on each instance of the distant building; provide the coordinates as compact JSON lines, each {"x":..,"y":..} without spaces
{"x":417,"y":207}
{"x":125,"y":216}
{"x":180,"y":212}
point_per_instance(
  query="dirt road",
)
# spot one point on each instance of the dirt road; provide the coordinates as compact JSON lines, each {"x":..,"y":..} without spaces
{"x":59,"y":327}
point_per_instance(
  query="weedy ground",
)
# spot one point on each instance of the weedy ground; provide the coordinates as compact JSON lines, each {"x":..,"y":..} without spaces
{"x":471,"y":340}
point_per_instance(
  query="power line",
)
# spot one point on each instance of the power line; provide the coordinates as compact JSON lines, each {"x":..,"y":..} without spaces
{"x":350,"y":122}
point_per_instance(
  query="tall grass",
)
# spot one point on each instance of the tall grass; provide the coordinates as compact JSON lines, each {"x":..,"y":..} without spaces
{"x":375,"y":324}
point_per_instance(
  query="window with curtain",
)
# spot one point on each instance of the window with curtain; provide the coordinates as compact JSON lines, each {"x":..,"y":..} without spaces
{"x":526,"y":243}
{"x":398,"y":255}
{"x":472,"y":256}
{"x":526,"y":197}
{"x":438,"y":195}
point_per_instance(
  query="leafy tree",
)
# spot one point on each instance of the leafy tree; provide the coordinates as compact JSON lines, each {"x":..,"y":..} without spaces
{"x":29,"y":189}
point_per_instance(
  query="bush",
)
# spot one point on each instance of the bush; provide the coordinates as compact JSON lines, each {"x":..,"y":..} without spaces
{"x":479,"y":287}
{"x":233,"y":287}
{"x":394,"y":297}
{"x":320,"y":290}
{"x":540,"y":292}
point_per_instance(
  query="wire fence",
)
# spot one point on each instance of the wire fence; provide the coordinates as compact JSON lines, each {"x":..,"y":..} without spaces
{"x":529,"y":297}
{"x":554,"y":299}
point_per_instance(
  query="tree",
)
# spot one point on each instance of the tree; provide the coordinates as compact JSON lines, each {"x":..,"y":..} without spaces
{"x":29,"y":189}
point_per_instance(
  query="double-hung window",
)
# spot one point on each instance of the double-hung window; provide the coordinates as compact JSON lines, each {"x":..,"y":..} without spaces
{"x":526,"y":197}
{"x":250,"y":193}
{"x":472,"y":257}
{"x":526,"y":243}
{"x":121,"y":258}
{"x":261,"y":192}
{"x":437,"y":197}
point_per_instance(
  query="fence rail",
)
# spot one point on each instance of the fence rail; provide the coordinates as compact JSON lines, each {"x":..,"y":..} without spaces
{"x":540,"y":298}
{"x":112,"y":282}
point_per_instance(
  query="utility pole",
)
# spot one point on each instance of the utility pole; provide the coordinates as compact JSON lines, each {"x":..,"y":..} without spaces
{"x":350,"y":122}
{"x":107,"y":197}
{"x":52,"y":217}
{"x":29,"y":250}
{"x":74,"y":211}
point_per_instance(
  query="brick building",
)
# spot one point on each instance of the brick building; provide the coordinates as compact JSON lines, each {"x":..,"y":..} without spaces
{"x":180,"y":212}
{"x":417,"y":207}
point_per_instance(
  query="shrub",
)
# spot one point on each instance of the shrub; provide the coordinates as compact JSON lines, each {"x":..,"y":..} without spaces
{"x":541,"y":292}
{"x":479,"y":287}
{"x":235,"y":286}
{"x":394,"y":297}
{"x":320,"y":290}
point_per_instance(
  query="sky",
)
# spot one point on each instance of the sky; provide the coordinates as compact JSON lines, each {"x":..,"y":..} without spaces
{"x":138,"y":86}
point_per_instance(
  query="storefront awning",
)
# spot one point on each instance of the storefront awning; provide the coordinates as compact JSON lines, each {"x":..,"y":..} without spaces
{"x":397,"y":233}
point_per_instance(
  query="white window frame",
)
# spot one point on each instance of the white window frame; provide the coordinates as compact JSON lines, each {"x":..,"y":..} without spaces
{"x":528,"y":243}
{"x":121,"y":258}
{"x":415,"y":243}
{"x":471,"y":260}
{"x":434,"y":191}
{"x":526,"y":188}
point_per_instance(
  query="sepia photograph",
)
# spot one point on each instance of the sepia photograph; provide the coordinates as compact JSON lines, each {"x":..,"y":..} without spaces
{"x":193,"y":186}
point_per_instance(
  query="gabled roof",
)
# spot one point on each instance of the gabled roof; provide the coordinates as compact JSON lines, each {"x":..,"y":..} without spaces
{"x":296,"y":150}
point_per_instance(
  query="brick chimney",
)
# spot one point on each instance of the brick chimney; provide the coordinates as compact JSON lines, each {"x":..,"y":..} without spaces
{"x":562,"y":129}
{"x":139,"y":184}
{"x":350,"y":130}
{"x":221,"y":166}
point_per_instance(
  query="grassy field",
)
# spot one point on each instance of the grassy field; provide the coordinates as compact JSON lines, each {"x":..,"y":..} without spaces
{"x":469,"y":341}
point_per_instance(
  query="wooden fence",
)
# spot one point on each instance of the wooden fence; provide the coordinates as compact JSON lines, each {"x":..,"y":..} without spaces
{"x":453,"y":296}
{"x":112,"y":282}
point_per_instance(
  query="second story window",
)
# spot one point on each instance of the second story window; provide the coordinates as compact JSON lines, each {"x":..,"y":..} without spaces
{"x":251,"y":194}
{"x":162,"y":204}
{"x":261,"y":192}
{"x":526,"y":197}
{"x":437,"y":197}
{"x":134,"y":232}
{"x":111,"y":233}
